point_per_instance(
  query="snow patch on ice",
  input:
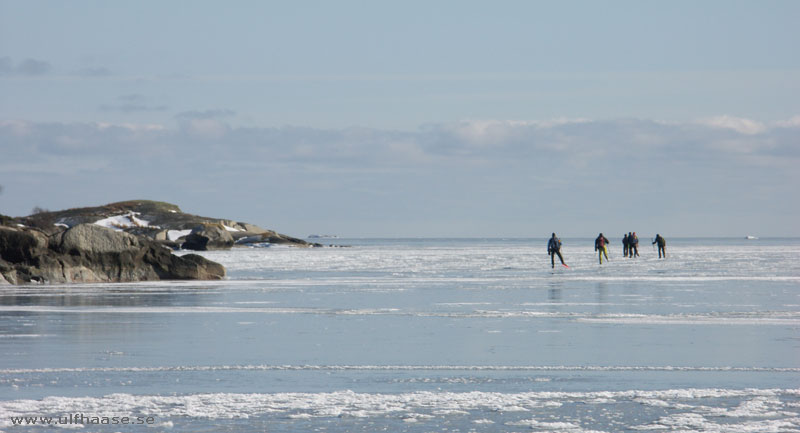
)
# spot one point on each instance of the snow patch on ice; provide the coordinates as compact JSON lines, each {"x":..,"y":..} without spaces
{"x":759,"y":410}
{"x":25,"y":335}
{"x":549,"y":426}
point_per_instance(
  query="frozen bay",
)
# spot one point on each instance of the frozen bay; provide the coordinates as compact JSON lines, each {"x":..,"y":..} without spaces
{"x":422,"y":335}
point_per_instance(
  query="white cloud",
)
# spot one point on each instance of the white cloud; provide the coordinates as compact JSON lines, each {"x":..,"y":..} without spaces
{"x":493,"y":140}
{"x":483,"y":131}
{"x":205,"y":128}
{"x":134,"y":127}
{"x":742,"y":146}
{"x":16,"y":127}
{"x":495,"y":131}
{"x":560,"y":121}
{"x":206,"y":114}
{"x":738,"y":124}
{"x":469,"y":169}
{"x":793,"y":122}
{"x":207,"y":125}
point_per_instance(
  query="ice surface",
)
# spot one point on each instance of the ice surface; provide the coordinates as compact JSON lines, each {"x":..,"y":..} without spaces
{"x":420,"y":336}
{"x":394,"y":368}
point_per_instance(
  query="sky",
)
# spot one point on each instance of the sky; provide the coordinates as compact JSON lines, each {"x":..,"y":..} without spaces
{"x":410,"y":119}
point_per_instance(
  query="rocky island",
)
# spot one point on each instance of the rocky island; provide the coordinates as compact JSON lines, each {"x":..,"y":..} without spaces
{"x":120,"y":242}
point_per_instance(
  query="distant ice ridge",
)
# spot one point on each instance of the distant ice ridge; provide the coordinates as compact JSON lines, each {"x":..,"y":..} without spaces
{"x":687,"y":409}
{"x":267,"y":367}
{"x":774,"y":318}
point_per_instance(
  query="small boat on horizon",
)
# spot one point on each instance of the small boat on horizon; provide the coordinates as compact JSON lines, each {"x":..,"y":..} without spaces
{"x":751,"y":238}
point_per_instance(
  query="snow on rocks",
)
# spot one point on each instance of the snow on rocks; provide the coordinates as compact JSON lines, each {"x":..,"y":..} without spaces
{"x":124,"y":221}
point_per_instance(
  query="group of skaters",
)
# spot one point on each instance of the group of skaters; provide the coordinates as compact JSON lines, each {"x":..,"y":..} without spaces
{"x":630,"y":247}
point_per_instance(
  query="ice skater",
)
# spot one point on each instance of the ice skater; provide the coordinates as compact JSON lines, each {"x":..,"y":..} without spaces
{"x":625,"y":245}
{"x":553,"y":248}
{"x":633,"y":245}
{"x":601,"y":248}
{"x":662,"y":243}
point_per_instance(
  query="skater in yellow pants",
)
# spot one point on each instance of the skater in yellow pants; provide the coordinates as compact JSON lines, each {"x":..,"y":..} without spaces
{"x":601,"y":246}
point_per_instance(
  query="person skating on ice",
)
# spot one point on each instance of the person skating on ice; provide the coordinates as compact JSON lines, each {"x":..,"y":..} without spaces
{"x":625,"y":245}
{"x":553,"y":248}
{"x":633,"y":242}
{"x":601,"y":248}
{"x":662,"y":243}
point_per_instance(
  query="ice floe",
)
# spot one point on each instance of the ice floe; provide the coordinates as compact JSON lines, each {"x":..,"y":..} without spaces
{"x":758,"y":410}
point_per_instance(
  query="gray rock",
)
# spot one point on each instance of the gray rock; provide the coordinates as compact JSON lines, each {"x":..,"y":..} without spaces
{"x":159,"y":216}
{"x":90,"y":253}
{"x":19,"y":245}
{"x":93,"y":239}
{"x":205,"y":269}
{"x":161,"y":235}
{"x":252,"y":239}
{"x":208,"y":237}
{"x":65,"y":246}
{"x":273,"y":238}
{"x":253,"y":229}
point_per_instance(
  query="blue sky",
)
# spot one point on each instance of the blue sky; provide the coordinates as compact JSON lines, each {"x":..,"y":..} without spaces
{"x":510,"y":118}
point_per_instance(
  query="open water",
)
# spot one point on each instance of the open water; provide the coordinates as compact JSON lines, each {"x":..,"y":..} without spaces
{"x":420,"y":335}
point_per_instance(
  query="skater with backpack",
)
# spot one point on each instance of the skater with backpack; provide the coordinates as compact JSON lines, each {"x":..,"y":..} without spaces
{"x":553,"y":249}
